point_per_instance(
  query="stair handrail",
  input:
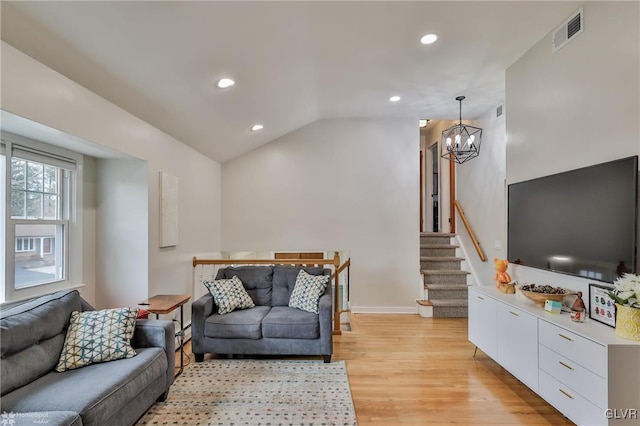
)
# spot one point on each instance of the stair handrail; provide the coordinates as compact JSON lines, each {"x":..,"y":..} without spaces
{"x":475,"y":241}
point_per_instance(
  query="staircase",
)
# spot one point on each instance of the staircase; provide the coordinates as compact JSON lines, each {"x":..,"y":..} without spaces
{"x":445,"y":284}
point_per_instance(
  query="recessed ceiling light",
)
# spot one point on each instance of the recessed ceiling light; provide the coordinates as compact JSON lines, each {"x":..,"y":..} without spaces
{"x":257,"y":127}
{"x":428,"y":39}
{"x":394,"y":98}
{"x":223,"y":83}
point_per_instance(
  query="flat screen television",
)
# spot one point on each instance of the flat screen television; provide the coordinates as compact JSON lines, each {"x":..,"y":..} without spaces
{"x":582,"y":222}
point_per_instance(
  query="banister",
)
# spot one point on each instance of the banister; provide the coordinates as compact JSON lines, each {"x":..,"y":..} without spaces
{"x":475,"y":241}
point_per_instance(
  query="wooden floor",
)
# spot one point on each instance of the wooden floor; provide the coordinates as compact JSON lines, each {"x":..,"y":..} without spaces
{"x":405,"y":369}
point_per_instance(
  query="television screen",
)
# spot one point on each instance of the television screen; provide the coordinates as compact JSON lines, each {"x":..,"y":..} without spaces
{"x":581,"y":222}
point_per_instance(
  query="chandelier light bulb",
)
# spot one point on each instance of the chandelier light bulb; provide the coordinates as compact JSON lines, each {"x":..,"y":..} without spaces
{"x":448,"y":141}
{"x":458,"y":139}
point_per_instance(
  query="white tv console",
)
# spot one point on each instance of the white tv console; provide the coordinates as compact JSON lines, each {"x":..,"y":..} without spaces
{"x":583,"y":369}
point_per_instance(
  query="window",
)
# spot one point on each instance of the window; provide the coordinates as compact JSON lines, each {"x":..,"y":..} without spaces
{"x":24,"y":244}
{"x":41,"y":206}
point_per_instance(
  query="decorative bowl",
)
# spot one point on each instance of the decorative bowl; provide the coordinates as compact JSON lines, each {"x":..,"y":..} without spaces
{"x":539,"y":298}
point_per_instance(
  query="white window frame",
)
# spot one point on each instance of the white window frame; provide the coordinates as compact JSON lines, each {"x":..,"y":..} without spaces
{"x":70,"y":255}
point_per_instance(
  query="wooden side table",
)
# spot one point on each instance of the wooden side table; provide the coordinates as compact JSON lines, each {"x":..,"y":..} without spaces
{"x":165,"y":304}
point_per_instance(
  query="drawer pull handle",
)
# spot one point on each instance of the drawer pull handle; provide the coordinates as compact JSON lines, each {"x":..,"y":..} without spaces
{"x":565,"y":337}
{"x":514,"y":314}
{"x":565,"y":365}
{"x":567,"y":394}
{"x":480,"y":297}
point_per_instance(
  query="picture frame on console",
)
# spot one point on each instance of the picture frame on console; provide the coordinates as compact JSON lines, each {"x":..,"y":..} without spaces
{"x":602,"y":308}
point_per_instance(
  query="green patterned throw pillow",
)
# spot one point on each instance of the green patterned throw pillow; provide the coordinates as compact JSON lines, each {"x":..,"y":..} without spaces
{"x":307,"y":291}
{"x":98,"y":336}
{"x":229,"y":295}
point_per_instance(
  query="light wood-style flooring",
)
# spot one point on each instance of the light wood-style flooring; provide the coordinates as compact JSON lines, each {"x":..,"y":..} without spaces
{"x":405,"y":369}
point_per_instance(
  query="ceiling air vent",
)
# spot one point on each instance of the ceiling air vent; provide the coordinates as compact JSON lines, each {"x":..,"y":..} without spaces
{"x":567,"y":31}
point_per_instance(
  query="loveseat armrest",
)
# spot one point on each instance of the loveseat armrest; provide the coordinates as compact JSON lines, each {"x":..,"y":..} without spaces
{"x":201,"y":309}
{"x":325,"y":313}
{"x":150,"y":333}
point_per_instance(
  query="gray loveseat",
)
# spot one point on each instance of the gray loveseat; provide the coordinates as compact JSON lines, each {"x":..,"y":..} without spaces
{"x":269,"y":328}
{"x":110,"y":393}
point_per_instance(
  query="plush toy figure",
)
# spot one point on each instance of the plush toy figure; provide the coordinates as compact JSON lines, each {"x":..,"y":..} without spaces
{"x":501,"y":272}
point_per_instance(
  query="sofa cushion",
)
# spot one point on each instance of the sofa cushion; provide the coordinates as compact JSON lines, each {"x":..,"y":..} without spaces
{"x":289,"y":323}
{"x":32,"y":335}
{"x":245,"y":324}
{"x":307,"y":291}
{"x":284,"y":280}
{"x":98,"y":336}
{"x":257,"y":280}
{"x":229,"y":294}
{"x":95,"y":391}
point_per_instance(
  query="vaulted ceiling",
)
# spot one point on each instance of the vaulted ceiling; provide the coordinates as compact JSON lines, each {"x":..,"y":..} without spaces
{"x":293,"y":62}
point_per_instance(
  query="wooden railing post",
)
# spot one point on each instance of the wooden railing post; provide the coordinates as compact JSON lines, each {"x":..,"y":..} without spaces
{"x":336,"y":295}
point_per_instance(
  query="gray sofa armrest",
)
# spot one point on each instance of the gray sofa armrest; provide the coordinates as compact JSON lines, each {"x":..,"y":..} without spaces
{"x":325,"y":312}
{"x":152,"y":333}
{"x":201,"y":309}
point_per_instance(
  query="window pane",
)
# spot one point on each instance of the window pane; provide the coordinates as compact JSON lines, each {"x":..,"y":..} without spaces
{"x":50,"y":206}
{"x":18,"y":173}
{"x":17,"y":204}
{"x":50,"y":179}
{"x":37,"y":265}
{"x":18,"y":244}
{"x":35,"y":173}
{"x":34,"y":205}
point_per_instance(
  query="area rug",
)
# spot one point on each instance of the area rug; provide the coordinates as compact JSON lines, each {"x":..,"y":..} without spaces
{"x":257,"y":392}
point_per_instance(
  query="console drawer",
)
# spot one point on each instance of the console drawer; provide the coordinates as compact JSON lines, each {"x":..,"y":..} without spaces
{"x":585,"y":352}
{"x":569,"y":402}
{"x":586,"y":383}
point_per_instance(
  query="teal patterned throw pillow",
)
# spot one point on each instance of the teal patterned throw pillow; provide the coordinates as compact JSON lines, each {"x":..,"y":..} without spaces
{"x":229,"y":295}
{"x":307,"y":291}
{"x":98,"y":336}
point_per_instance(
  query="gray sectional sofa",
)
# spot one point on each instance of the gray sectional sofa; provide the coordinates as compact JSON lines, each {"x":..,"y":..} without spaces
{"x":110,"y":393}
{"x":269,"y":328}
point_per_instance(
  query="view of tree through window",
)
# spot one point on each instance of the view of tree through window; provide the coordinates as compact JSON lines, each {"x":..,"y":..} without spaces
{"x":39,"y":223}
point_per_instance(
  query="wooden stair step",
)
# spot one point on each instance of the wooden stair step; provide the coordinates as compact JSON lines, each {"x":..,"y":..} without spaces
{"x":437,"y":246}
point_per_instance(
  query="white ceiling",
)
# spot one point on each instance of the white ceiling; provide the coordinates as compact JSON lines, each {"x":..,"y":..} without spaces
{"x":293,"y":62}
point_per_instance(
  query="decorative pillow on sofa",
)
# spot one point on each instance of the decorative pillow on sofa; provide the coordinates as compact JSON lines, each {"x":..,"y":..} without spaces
{"x":98,"y":336}
{"x":307,"y":291}
{"x":229,"y":295}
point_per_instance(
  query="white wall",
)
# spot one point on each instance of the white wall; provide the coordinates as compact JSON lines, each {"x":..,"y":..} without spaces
{"x":577,"y":107}
{"x":481,"y":193}
{"x":122,"y":254}
{"x":349,"y":184}
{"x":34,"y":91}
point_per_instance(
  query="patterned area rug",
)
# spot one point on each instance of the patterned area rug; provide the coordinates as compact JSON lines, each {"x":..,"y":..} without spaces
{"x":257,"y":392}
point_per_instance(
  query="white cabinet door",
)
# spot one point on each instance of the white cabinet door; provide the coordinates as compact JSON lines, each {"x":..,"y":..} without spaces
{"x":482,"y":322}
{"x":518,"y":344}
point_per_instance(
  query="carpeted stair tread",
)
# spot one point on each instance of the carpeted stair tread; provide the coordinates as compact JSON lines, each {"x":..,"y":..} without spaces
{"x":443,"y":303}
{"x":445,"y":286}
{"x":439,"y":246}
{"x":437,"y":234}
{"x":441,"y":258}
{"x":449,"y":302}
{"x":443,"y":272}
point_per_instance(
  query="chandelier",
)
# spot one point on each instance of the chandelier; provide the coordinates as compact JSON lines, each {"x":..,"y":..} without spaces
{"x":461,"y":143}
